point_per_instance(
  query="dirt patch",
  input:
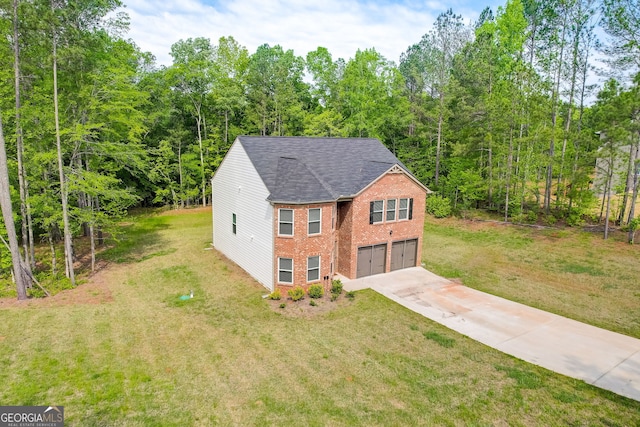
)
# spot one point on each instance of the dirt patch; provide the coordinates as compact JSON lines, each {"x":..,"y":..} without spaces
{"x":94,"y":287}
{"x":95,"y":291}
{"x":304,"y":309}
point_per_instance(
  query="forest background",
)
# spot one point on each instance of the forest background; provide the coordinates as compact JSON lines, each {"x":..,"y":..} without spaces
{"x":500,"y":115}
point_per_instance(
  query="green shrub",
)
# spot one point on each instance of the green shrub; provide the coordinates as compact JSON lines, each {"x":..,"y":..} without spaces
{"x":575,"y":219}
{"x":438,"y":206}
{"x":350,"y":294}
{"x":296,"y":294}
{"x":550,"y":220}
{"x":275,"y":295}
{"x":518,"y":219}
{"x":334,"y":297}
{"x":336,"y":287}
{"x":283,"y":305}
{"x":316,"y":291}
{"x":313,"y":303}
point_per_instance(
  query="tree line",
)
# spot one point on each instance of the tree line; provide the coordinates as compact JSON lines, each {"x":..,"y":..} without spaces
{"x":498,"y":115}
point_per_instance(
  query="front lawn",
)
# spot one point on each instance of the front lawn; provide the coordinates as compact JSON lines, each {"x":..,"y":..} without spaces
{"x":569,"y":272}
{"x":142,"y":357}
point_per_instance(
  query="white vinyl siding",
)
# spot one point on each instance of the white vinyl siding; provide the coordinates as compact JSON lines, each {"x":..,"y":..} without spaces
{"x":314,"y":221}
{"x":238,"y":189}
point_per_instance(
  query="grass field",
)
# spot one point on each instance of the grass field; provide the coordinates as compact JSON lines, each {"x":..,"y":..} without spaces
{"x":567,"y":272}
{"x":137,"y":356}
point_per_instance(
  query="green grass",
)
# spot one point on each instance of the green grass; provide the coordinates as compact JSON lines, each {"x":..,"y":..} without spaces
{"x":444,"y":341}
{"x":140,"y":239}
{"x":226,"y":358}
{"x":568,"y":272}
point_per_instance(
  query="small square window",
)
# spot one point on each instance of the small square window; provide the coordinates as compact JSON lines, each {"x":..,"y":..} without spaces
{"x":285,"y":222}
{"x":313,"y":268}
{"x":285,"y":270}
{"x":315,"y":216}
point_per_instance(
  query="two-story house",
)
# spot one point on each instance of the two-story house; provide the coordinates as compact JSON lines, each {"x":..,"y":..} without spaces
{"x":296,"y":210}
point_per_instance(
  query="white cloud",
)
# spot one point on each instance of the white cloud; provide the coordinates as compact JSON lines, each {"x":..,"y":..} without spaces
{"x":340,"y":26}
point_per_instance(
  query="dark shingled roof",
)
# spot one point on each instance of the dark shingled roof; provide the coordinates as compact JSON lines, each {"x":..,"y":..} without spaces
{"x":308,"y":169}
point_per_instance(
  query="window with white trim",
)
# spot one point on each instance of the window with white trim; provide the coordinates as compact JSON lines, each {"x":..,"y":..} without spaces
{"x":233,"y":223}
{"x":285,"y":222}
{"x":314,"y":216}
{"x":405,"y":209}
{"x":391,"y":210}
{"x":285,"y":270}
{"x":313,"y":268}
{"x":376,"y":211}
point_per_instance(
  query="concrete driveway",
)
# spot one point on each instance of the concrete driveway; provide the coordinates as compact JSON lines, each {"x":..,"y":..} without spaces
{"x":605,"y":359}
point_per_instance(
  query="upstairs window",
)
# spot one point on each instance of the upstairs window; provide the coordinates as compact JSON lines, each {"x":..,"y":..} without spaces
{"x":405,"y":209}
{"x":376,"y":210}
{"x":391,"y":210}
{"x":315,"y":216}
{"x":233,"y":223}
{"x":285,"y":222}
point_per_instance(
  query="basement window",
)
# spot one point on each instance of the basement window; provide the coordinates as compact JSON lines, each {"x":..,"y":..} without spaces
{"x":233,"y":223}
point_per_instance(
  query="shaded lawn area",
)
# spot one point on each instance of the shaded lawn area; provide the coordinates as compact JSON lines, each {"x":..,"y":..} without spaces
{"x":568,"y":272}
{"x":226,"y":358}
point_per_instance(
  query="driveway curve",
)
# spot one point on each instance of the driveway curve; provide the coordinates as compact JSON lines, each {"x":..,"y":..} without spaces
{"x":602,"y":358}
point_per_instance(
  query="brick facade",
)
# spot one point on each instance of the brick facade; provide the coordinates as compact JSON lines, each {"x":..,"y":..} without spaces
{"x":389,"y":186}
{"x":345,"y":227}
{"x":301,"y":245}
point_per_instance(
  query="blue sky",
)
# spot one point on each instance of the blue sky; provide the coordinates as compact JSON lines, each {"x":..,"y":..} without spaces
{"x":342,"y":26}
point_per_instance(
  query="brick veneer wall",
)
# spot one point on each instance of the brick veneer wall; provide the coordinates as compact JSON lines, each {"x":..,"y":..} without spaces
{"x":351,"y":230}
{"x":301,"y":245}
{"x":390,"y":186}
{"x":345,"y":223}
